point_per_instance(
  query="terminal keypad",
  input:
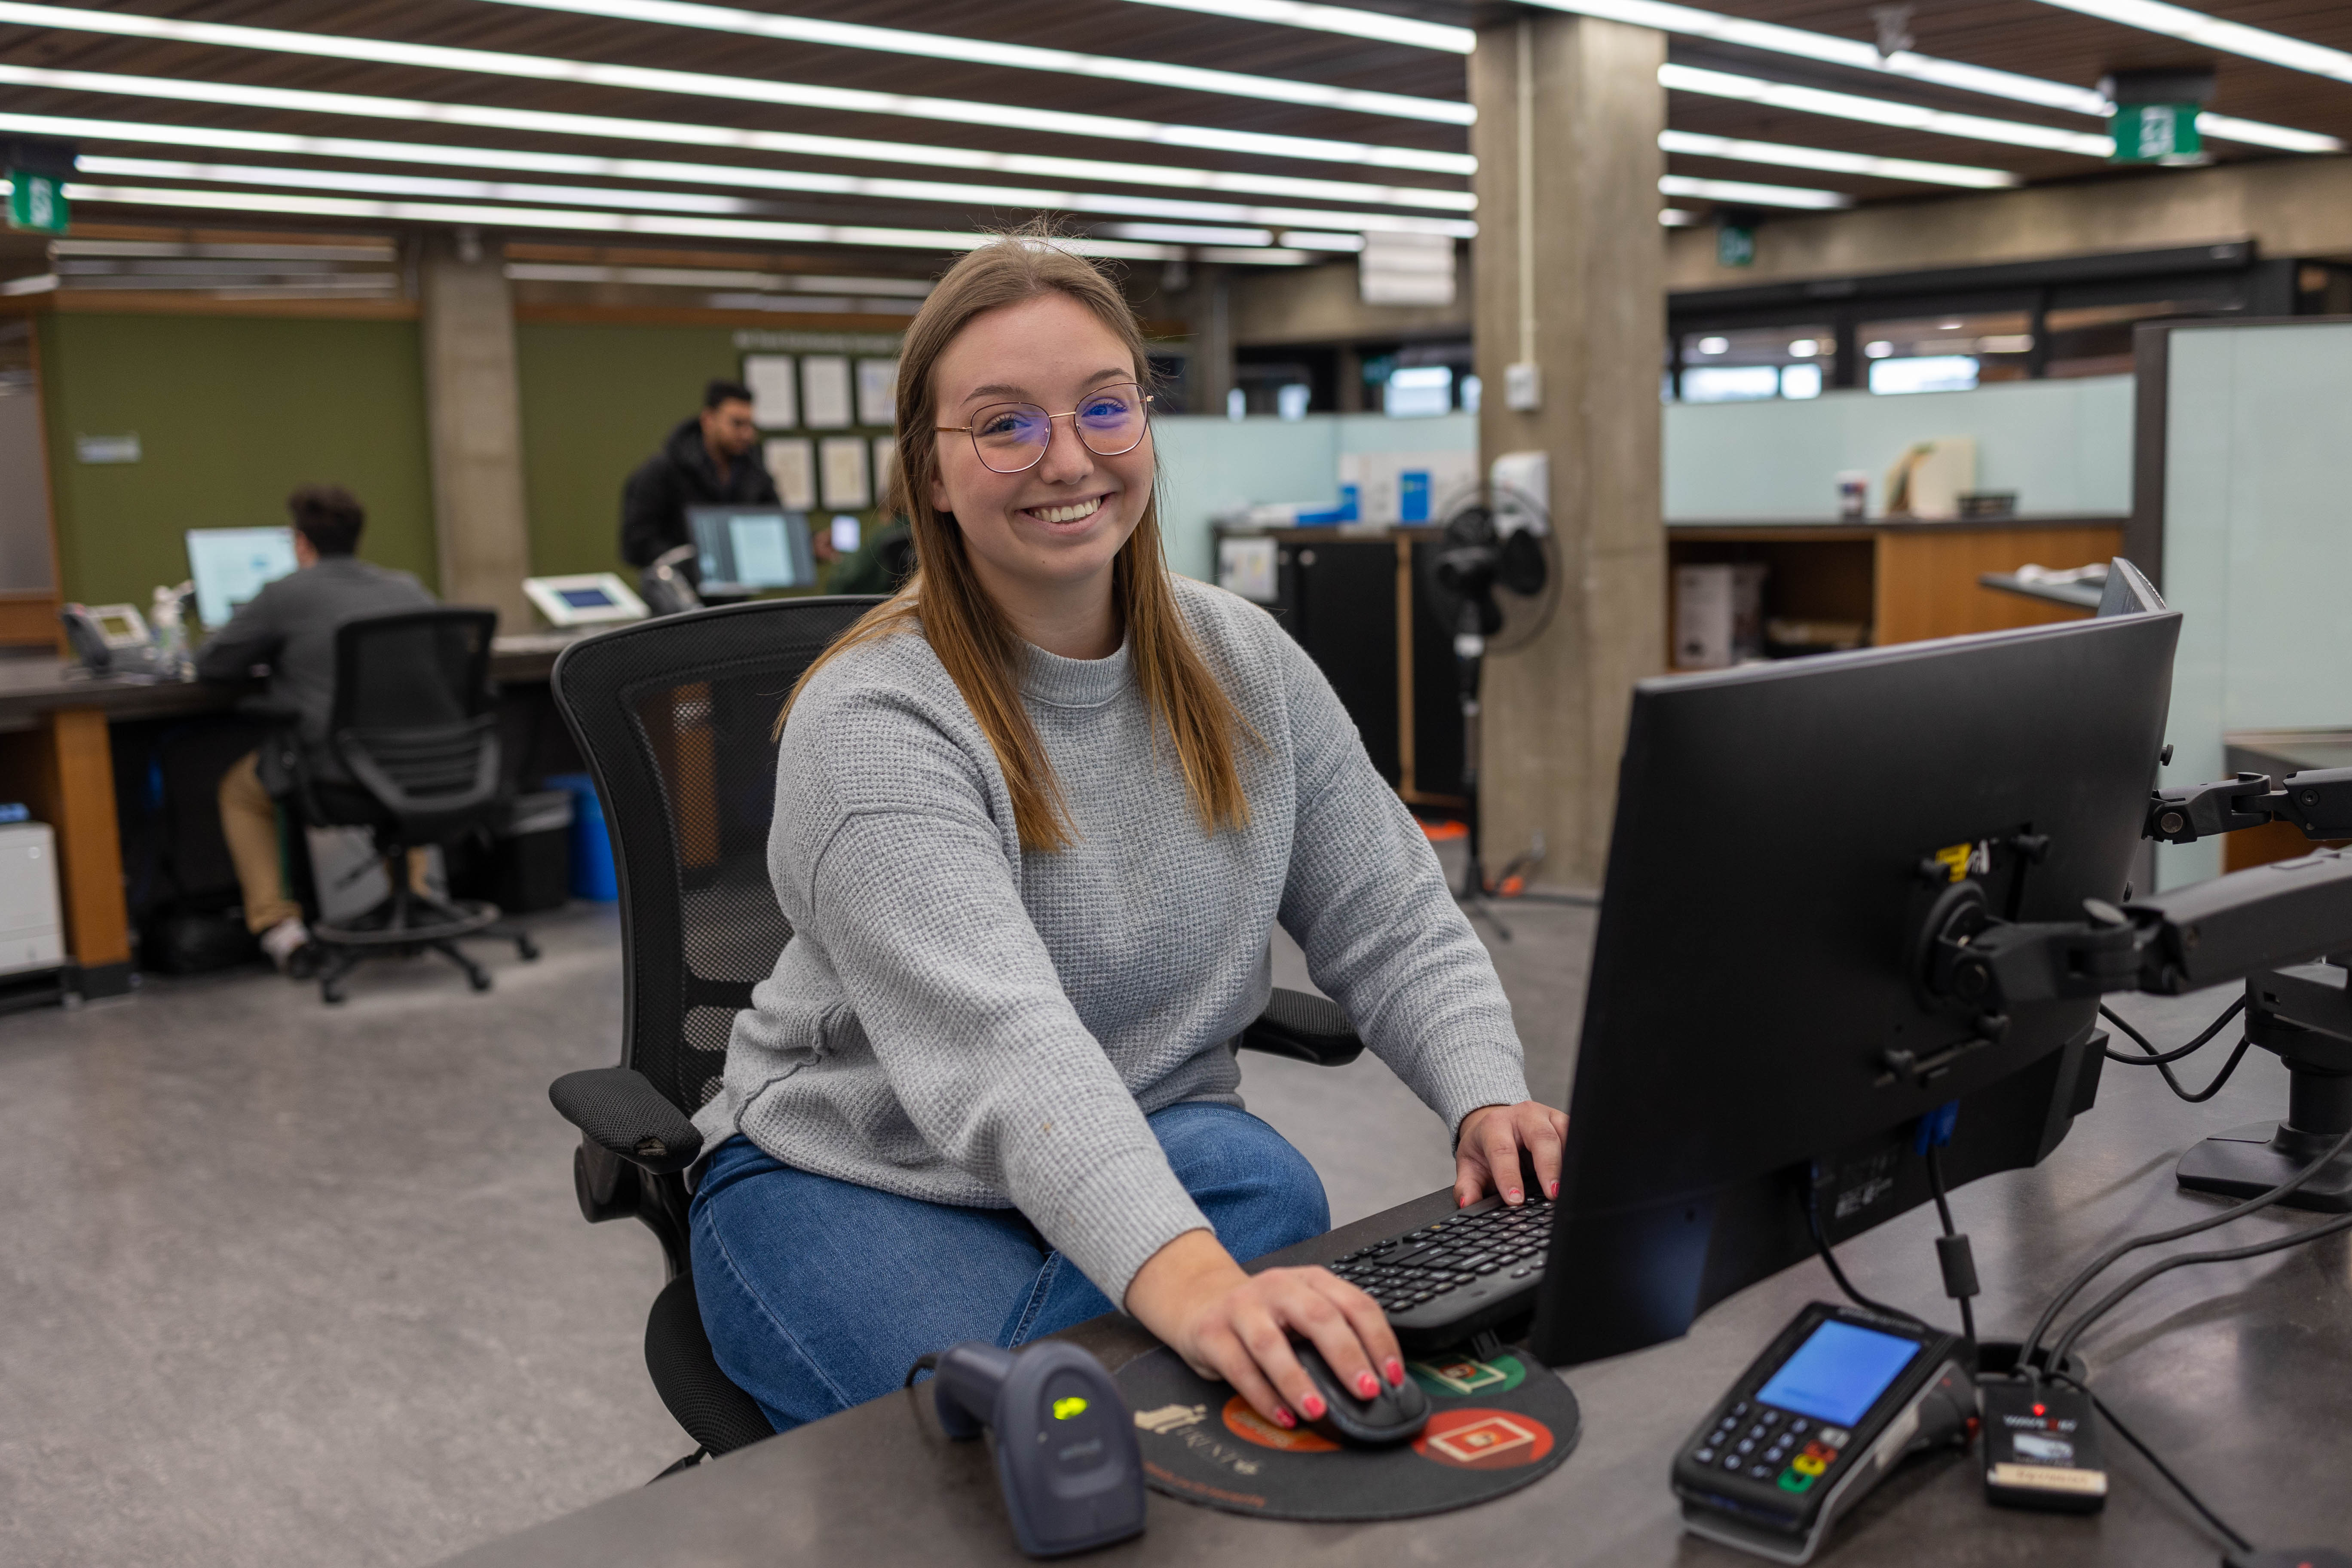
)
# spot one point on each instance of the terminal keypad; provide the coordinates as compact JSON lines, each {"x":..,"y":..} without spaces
{"x":1773,"y":1445}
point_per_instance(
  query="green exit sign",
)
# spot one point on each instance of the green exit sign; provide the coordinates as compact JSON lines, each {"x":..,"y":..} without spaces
{"x":36,"y":202}
{"x":2156,"y":134}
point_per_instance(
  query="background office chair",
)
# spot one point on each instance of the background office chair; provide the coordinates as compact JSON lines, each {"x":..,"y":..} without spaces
{"x":674,"y":716}
{"x":412,"y":754}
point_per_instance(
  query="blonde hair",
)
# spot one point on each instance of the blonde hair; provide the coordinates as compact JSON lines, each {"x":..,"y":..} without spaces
{"x":945,"y":602}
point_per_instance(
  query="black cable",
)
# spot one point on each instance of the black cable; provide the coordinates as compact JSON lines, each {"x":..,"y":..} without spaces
{"x":1944,"y":1212}
{"x":2155,"y":1058}
{"x":2161,"y":1061}
{"x":2128,"y":1435}
{"x":928,"y":1361}
{"x":1821,"y":1245}
{"x":2182,"y":1260}
{"x":2099,"y":1264}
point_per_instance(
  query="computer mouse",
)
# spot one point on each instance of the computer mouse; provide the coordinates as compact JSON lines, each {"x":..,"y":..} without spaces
{"x":1392,"y":1416}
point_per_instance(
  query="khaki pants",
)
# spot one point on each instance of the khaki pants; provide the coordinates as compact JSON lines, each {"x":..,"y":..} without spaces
{"x":249,"y":823}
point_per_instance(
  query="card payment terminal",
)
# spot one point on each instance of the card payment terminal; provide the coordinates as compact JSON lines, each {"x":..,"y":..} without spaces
{"x":1815,"y":1423}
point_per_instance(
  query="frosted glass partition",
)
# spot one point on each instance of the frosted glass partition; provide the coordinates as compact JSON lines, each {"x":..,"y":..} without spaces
{"x":2257,"y":545}
{"x":2063,"y":445}
{"x":1208,"y":464}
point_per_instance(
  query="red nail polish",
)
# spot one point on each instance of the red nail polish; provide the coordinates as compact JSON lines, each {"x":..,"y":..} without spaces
{"x":1514,"y":1194}
{"x":1552,"y":1190}
{"x":1396,"y":1372}
{"x":1368,"y":1386}
{"x":1283,"y":1418}
{"x":1314,"y":1407}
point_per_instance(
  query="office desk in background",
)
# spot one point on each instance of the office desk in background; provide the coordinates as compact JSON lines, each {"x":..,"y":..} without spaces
{"x":56,"y":756}
{"x":2236,"y":1373}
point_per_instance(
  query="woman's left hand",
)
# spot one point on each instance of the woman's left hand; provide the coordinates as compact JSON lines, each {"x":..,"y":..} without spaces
{"x":1486,"y":1154}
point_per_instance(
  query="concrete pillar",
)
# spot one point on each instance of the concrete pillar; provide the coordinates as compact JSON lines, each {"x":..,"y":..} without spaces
{"x":474,"y":409}
{"x":1209,"y":373}
{"x":1568,"y":267}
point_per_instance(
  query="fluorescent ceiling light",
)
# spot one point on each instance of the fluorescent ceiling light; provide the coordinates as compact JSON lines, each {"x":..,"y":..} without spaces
{"x":1171,"y":233}
{"x":715,"y":278}
{"x":373,"y":182}
{"x":1882,"y":112}
{"x":748,"y":89}
{"x":549,"y":123}
{"x":1304,"y":241}
{"x":2229,"y":128}
{"x":1742,"y":193}
{"x":1277,"y":256}
{"x":1675,"y":217}
{"x":2212,"y":33}
{"x":1345,"y":19}
{"x":1700,"y":146}
{"x":442,"y":156}
{"x":359,"y":210}
{"x":1852,"y":54}
{"x":1019,"y":56}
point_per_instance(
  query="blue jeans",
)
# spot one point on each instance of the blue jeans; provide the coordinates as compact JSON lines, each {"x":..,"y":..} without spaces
{"x":819,"y":1294}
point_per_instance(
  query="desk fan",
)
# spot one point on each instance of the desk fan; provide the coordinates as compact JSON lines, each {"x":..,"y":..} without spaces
{"x":1493,"y":579}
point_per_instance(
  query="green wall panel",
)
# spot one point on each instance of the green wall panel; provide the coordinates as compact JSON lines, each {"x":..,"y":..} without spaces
{"x":597,"y":401}
{"x":231,"y":413}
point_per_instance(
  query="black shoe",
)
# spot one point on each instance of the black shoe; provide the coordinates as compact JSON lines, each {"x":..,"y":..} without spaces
{"x":302,"y":964}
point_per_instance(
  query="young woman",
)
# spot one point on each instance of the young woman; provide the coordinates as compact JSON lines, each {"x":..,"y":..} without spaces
{"x":1036,"y":816}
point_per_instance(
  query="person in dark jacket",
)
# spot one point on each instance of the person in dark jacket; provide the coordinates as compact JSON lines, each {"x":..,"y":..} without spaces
{"x":290,"y":627}
{"x":712,"y":459}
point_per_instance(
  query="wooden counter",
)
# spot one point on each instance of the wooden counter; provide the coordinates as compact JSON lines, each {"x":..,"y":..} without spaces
{"x":1906,"y":581}
{"x":56,"y":756}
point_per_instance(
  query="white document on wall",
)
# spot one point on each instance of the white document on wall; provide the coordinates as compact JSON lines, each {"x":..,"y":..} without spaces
{"x":775,"y":392}
{"x":877,"y":391}
{"x":842,"y":467}
{"x":825,"y":392}
{"x":792,"y":463}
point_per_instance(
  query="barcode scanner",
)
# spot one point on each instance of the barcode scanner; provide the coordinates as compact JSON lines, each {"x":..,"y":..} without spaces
{"x":1066,"y":1450}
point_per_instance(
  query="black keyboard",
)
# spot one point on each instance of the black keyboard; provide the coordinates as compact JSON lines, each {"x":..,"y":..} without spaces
{"x":1470,"y":1271}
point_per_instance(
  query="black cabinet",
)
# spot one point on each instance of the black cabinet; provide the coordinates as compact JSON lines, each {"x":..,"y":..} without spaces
{"x":1350,"y":599}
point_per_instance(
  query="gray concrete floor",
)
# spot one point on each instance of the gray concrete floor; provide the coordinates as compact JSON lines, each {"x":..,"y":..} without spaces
{"x":284,"y":1284}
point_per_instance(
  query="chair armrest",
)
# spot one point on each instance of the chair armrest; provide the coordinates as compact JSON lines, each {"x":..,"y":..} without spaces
{"x":1305,"y":1028}
{"x":620,"y":1111}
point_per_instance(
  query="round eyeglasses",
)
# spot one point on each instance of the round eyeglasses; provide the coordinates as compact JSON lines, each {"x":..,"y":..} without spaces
{"x":1011,"y":437}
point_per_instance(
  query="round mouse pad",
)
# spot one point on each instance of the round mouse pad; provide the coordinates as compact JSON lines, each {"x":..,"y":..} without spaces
{"x":1493,"y":1426}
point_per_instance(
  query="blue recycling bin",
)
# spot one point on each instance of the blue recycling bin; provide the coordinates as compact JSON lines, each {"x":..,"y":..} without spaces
{"x":593,"y":876}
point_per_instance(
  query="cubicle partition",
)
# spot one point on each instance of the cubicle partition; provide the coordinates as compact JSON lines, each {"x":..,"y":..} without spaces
{"x":2243,"y":435}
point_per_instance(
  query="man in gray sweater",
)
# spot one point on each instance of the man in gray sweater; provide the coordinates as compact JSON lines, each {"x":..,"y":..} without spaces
{"x":289,"y":627}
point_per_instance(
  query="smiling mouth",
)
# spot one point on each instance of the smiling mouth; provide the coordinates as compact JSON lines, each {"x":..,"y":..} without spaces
{"x":1069,"y":512}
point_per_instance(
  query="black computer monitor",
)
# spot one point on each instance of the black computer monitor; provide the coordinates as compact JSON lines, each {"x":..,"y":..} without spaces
{"x":1754,"y":1041}
{"x":749,"y":548}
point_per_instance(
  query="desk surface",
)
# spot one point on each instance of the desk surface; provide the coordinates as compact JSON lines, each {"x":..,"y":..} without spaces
{"x":32,"y":687}
{"x":2234,"y":1371}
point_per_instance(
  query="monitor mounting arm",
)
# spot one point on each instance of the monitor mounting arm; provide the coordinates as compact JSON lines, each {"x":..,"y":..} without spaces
{"x":2318,"y":801}
{"x":2285,"y":930}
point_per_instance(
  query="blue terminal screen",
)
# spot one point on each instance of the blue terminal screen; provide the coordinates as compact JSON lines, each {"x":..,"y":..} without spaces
{"x":1838,"y":1372}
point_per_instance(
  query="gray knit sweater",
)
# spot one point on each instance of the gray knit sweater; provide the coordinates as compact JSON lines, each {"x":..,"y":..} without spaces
{"x":959,"y":1021}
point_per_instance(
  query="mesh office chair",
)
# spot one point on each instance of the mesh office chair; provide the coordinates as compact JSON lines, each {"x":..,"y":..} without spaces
{"x":674,"y":716}
{"x":412,"y":755}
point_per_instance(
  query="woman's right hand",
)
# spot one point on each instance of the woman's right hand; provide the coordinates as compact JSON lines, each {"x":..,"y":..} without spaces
{"x":1236,"y":1326}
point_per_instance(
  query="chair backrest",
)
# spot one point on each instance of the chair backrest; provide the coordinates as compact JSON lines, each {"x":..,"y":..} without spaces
{"x":410,"y":721}
{"x":416,"y":670}
{"x":674,"y":716}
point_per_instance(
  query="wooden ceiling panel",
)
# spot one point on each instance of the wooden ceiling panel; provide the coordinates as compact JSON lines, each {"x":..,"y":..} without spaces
{"x":2022,"y":36}
{"x":2056,"y":45}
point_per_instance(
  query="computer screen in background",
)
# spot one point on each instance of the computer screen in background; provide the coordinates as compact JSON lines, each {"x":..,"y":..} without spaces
{"x":229,"y":566}
{"x":752,"y":547}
